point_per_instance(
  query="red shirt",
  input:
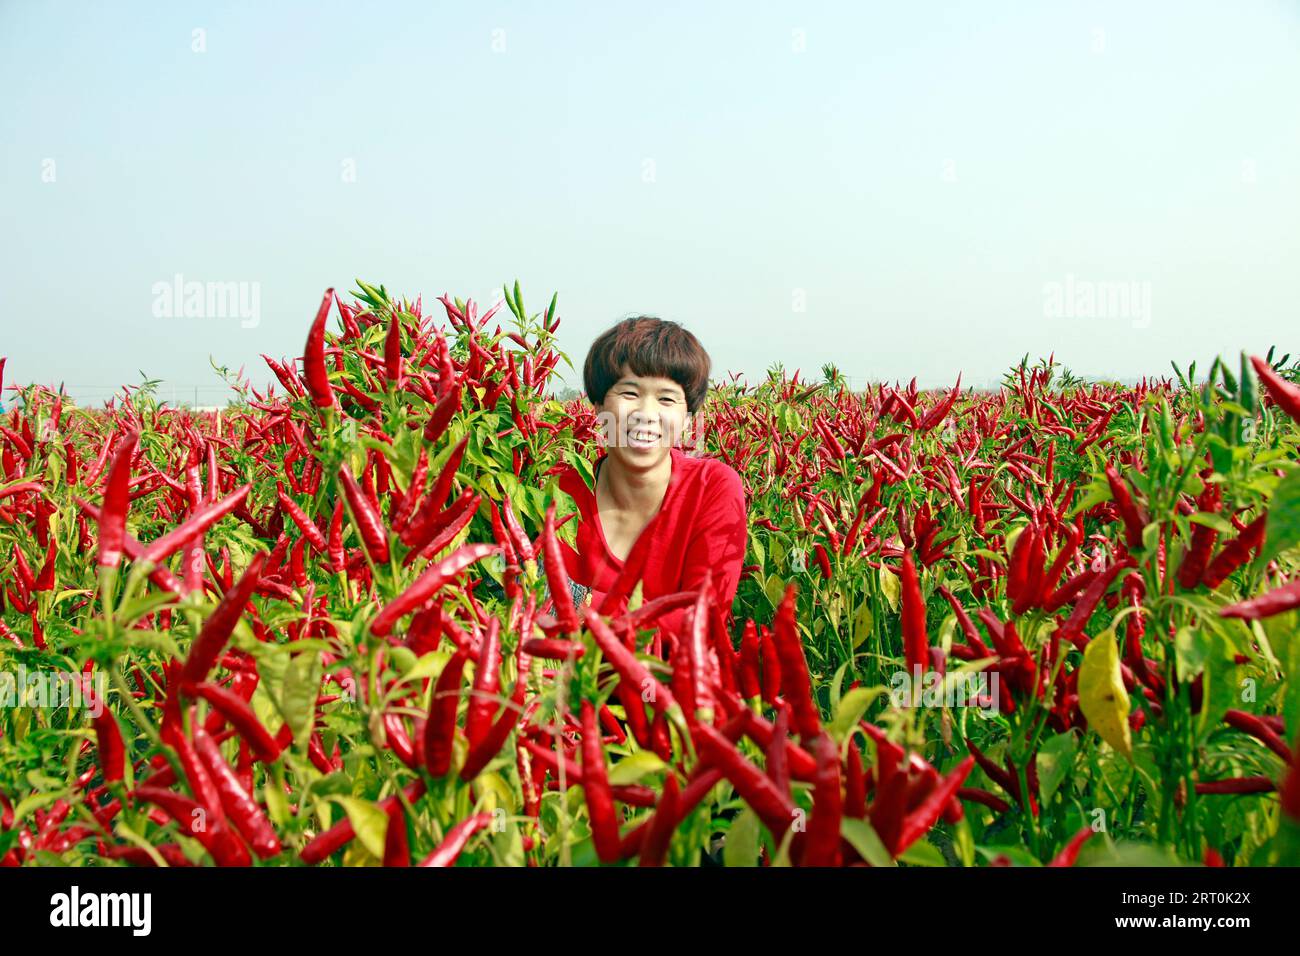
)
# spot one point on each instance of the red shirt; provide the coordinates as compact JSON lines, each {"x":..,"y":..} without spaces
{"x":701,"y":526}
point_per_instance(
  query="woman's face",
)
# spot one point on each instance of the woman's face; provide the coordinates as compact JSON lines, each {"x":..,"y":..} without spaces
{"x":642,"y":418}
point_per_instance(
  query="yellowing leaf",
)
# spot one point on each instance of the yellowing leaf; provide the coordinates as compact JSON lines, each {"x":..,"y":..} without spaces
{"x":369,"y":822}
{"x":1102,"y":696}
{"x":862,"y":621}
{"x":890,"y":587}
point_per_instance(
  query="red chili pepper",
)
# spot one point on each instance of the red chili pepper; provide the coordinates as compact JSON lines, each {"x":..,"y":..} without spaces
{"x":658,"y":834}
{"x":778,"y":764}
{"x":1072,"y":630}
{"x":1255,"y":784}
{"x":916,"y":642}
{"x":299,"y":517}
{"x":755,"y":787}
{"x":440,"y":727}
{"x":216,"y":630}
{"x":1203,"y":540}
{"x":1047,"y":584}
{"x":369,"y":524}
{"x":966,"y":624}
{"x":495,"y":737}
{"x":335,"y":545}
{"x":162,"y":548}
{"x":442,"y":485}
{"x":917,"y":823}
{"x":239,"y":807}
{"x":940,"y":411}
{"x":225,"y":848}
{"x":414,"y":489}
{"x":487,"y":682}
{"x":822,"y":844}
{"x":313,"y":359}
{"x":795,"y":683}
{"x":45,"y":578}
{"x":434,"y":535}
{"x":976,"y":795}
{"x":1032,"y":572}
{"x":112,"y":516}
{"x":500,"y":537}
{"x":239,"y":714}
{"x":1070,"y":852}
{"x":108,"y":739}
{"x":23,"y":568}
{"x":855,"y":786}
{"x":342,"y":833}
{"x":397,"y":851}
{"x":449,"y":403}
{"x":457,"y":838}
{"x":554,"y":649}
{"x":1133,"y":515}
{"x":1255,"y":727}
{"x":1277,"y":601}
{"x":557,"y":578}
{"x":427,"y":585}
{"x":750,"y":669}
{"x":171,"y":853}
{"x":426,"y":520}
{"x":595,"y":785}
{"x":521,"y":542}
{"x":1235,"y":553}
{"x":823,"y":561}
{"x":1279,"y":389}
{"x":393,"y":351}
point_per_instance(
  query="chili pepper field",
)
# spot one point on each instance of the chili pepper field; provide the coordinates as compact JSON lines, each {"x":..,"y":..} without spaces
{"x":1047,"y":624}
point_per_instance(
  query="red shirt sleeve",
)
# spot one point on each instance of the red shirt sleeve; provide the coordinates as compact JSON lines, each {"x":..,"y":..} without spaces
{"x":717,"y":545}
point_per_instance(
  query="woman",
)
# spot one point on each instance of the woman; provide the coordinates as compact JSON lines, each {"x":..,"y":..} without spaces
{"x":657,"y":515}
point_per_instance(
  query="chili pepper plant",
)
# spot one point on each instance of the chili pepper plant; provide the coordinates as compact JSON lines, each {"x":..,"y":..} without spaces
{"x":1052,"y":623}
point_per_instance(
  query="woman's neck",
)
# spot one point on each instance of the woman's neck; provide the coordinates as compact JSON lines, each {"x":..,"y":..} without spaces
{"x":636,"y":490}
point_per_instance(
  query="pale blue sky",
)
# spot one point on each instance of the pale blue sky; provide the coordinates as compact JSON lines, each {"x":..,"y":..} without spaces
{"x":919,"y":171}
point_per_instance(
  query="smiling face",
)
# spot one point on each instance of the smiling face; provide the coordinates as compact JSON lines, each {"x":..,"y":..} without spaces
{"x":642,"y":418}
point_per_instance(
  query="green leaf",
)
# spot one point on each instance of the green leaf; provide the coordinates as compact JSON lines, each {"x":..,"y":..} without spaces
{"x":774,"y":589}
{"x":741,"y":846}
{"x":301,"y":688}
{"x":922,"y":853}
{"x":1212,"y":520}
{"x":1055,"y":757}
{"x":583,"y":467}
{"x":1190,"y":648}
{"x":634,"y":767}
{"x":430,"y":665}
{"x":862,"y":837}
{"x":1017,"y":855}
{"x":36,"y":801}
{"x":369,"y":822}
{"x":1219,"y":682}
{"x":851,"y":708}
{"x":1283,"y":531}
